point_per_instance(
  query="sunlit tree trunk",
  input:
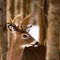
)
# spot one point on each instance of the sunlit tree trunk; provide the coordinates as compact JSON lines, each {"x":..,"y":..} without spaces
{"x":8,"y":9}
{"x":53,"y":30}
{"x":16,"y":7}
{"x":41,"y":22}
{"x":26,"y":9}
{"x":31,"y":10}
{"x":21,"y":6}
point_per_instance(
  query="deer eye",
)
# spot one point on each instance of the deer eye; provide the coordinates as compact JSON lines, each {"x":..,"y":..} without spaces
{"x":25,"y":36}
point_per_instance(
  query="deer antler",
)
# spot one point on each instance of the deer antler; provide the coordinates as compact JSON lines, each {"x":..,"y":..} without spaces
{"x":18,"y":16}
{"x":25,"y":21}
{"x":13,"y":20}
{"x":28,"y":16}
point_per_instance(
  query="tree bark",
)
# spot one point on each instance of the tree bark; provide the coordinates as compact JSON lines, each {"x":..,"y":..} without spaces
{"x":53,"y":30}
{"x":3,"y":30}
{"x":8,"y":15}
{"x":41,"y":23}
{"x":16,"y":7}
{"x":21,"y":6}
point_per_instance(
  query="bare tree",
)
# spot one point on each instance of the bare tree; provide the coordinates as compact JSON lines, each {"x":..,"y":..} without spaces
{"x":8,"y":12}
{"x":53,"y":30}
{"x":3,"y":30}
{"x":41,"y":22}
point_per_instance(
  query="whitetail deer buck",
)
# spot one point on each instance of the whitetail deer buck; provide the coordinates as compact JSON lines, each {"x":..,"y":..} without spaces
{"x":23,"y":46}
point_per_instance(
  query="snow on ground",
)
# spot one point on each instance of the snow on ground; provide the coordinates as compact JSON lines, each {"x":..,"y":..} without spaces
{"x":34,"y":32}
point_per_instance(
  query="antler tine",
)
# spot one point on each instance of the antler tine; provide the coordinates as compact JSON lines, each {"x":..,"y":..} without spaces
{"x":10,"y":19}
{"x":28,"y":16}
{"x":18,"y":16}
{"x":24,"y":23}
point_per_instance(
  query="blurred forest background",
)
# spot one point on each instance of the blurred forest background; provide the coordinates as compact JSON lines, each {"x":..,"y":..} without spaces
{"x":46,"y":15}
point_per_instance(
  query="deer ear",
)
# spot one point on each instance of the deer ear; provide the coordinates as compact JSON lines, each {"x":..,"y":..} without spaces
{"x":25,"y":21}
{"x":10,"y":26}
{"x":28,"y":28}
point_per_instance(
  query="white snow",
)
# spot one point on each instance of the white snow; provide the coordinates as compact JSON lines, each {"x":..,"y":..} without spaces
{"x":34,"y":32}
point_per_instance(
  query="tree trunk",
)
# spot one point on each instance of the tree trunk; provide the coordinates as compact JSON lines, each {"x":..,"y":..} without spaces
{"x":3,"y":30}
{"x":53,"y":30}
{"x":8,"y":14}
{"x":26,"y":9}
{"x":41,"y":22}
{"x":21,"y":6}
{"x":16,"y":9}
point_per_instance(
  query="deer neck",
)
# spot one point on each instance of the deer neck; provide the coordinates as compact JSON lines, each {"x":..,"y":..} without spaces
{"x":16,"y":53}
{"x":19,"y":53}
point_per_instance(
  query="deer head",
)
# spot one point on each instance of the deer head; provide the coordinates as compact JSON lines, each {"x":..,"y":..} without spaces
{"x":20,"y":37}
{"x":18,"y":27}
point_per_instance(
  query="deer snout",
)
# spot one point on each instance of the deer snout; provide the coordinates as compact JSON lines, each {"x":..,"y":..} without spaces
{"x":33,"y":44}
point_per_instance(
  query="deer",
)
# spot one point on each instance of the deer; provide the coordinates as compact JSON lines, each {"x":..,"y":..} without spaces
{"x":22,"y":42}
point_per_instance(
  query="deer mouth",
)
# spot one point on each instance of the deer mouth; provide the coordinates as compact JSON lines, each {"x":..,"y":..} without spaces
{"x":33,"y":44}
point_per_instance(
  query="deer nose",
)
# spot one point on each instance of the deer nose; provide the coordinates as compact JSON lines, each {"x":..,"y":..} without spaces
{"x":25,"y":36}
{"x":35,"y":43}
